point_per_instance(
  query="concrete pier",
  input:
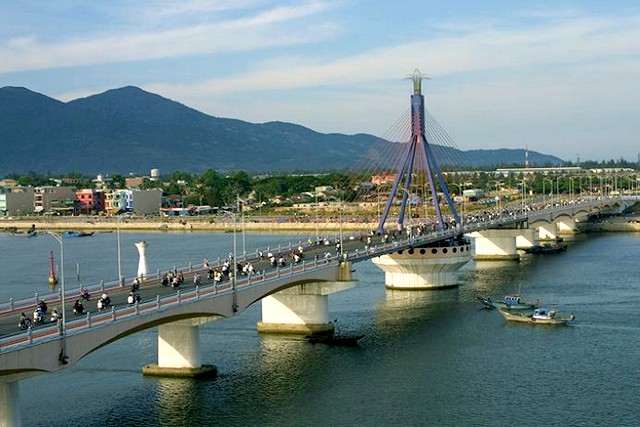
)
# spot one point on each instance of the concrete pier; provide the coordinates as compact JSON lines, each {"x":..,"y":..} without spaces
{"x":424,"y":268}
{"x":10,"y":404}
{"x":499,"y":245}
{"x":304,"y":309}
{"x":179,"y":351}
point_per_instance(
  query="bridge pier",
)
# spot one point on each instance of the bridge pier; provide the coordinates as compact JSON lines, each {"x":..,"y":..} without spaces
{"x":547,"y":231}
{"x":303,"y":309}
{"x":496,"y":245}
{"x":10,"y":404}
{"x":424,"y":268}
{"x":566,"y":226}
{"x":526,"y":238}
{"x":179,"y":351}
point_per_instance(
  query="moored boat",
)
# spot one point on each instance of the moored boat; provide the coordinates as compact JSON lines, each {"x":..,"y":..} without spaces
{"x":69,"y":234}
{"x":334,"y":339}
{"x":547,"y":248}
{"x":510,"y":302}
{"x":539,"y":316}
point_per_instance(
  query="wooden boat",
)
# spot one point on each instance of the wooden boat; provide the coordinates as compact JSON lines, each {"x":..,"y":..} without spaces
{"x":70,"y":234}
{"x":24,"y":233}
{"x":334,"y":339}
{"x":510,"y":302}
{"x":547,"y":248}
{"x":539,"y":316}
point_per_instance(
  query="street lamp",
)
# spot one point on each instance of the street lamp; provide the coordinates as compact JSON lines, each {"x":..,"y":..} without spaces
{"x":120,"y":278}
{"x":544,"y":194}
{"x":234,"y":266}
{"x":62,"y":288}
{"x":460,"y":189}
{"x":558,"y":187}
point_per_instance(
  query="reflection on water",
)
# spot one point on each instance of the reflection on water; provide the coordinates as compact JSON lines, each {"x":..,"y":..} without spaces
{"x":428,"y":358}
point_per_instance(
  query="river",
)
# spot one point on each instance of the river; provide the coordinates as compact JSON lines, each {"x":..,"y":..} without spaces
{"x":428,"y":358}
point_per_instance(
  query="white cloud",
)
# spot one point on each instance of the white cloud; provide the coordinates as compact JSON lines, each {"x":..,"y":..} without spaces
{"x":262,"y":30}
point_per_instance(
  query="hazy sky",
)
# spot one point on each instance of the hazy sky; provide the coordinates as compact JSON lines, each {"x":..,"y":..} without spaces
{"x":561,"y":76}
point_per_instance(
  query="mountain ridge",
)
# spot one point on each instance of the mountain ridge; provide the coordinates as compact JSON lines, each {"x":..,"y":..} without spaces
{"x":131,"y":130}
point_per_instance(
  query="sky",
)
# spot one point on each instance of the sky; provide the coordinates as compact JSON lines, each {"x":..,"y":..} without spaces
{"x":560,"y":77}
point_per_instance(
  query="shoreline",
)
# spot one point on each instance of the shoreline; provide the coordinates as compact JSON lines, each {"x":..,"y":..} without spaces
{"x":133,"y":224}
{"x":211,"y":225}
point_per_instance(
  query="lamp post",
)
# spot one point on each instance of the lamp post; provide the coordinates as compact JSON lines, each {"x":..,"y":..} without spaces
{"x":120,"y":278}
{"x":558,"y":187}
{"x":234,"y":266}
{"x":62,"y":287}
{"x":544,"y":194}
{"x":461,"y":203}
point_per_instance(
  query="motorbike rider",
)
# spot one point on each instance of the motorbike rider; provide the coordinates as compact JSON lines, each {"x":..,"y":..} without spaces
{"x":78,"y":308}
{"x":25,"y":322}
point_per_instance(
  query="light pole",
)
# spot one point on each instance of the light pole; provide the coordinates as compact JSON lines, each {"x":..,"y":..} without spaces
{"x":544,"y":194}
{"x":120,"y":278}
{"x":234,"y":266}
{"x":558,"y":187}
{"x":461,"y":203}
{"x":62,"y":287}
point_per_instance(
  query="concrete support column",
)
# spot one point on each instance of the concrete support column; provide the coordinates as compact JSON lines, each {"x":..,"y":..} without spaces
{"x":424,"y":268}
{"x":496,"y":245}
{"x":179,"y":351}
{"x":302,"y":309}
{"x":547,"y":231}
{"x":10,"y":404}
{"x":526,"y":238}
{"x":566,"y":226}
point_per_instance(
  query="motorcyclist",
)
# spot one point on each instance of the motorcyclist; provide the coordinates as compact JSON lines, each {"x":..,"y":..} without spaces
{"x":78,"y":308}
{"x":42,"y":306}
{"x":55,"y":316}
{"x":84,"y":293}
{"x":25,"y":322}
{"x":38,"y":316}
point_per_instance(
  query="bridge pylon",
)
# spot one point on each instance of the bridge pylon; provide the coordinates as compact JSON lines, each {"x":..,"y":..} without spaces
{"x":427,"y":266}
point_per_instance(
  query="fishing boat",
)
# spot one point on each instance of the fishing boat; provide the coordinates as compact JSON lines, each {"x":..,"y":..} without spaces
{"x":70,"y":234}
{"x":334,"y":339}
{"x":509,"y":302}
{"x":539,"y":316}
{"x":547,"y":248}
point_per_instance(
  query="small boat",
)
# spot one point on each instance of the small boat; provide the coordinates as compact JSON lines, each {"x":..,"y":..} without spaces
{"x":24,"y":233}
{"x":540,"y":316}
{"x":70,"y":234}
{"x":334,"y":339}
{"x":510,"y":302}
{"x":547,"y":248}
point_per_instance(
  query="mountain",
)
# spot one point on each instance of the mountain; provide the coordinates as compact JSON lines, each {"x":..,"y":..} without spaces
{"x":130,"y":130}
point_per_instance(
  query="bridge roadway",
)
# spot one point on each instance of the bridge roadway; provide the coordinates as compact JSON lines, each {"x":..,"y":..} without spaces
{"x":156,"y":297}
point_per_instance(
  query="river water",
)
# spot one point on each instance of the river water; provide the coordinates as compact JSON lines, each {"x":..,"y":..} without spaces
{"x":428,"y":358}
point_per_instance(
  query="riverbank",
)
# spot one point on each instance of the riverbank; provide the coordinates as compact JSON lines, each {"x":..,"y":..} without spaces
{"x":618,"y":224}
{"x":176,"y":224}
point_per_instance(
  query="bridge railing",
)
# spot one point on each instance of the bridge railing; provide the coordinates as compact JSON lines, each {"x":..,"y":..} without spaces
{"x":84,"y":323}
{"x":28,"y":304}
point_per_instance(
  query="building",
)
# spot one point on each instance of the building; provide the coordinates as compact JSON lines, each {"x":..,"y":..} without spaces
{"x":90,"y":200}
{"x":52,"y":198}
{"x":383,"y":178}
{"x":16,"y":200}
{"x":146,"y":202}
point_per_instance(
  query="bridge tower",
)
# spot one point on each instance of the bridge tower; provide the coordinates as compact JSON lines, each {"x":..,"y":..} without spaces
{"x":426,"y":266}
